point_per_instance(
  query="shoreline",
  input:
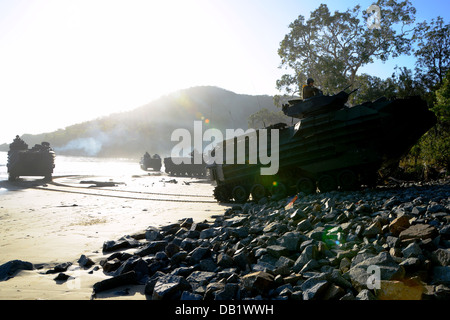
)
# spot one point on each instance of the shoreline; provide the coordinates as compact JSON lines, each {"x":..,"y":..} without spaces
{"x":47,"y":228}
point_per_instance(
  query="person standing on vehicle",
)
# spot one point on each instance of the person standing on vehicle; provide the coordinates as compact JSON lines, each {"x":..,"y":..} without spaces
{"x":309,"y":90}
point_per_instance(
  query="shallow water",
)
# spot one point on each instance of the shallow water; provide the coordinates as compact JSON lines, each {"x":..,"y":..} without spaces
{"x":89,"y":166}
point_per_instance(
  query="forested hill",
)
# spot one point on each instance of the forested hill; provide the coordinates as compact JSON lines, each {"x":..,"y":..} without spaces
{"x":149,"y":128}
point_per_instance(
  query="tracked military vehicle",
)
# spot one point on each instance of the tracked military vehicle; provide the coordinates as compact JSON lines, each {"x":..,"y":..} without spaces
{"x":331,"y":147}
{"x":184,"y":167}
{"x":151,"y":162}
{"x":37,"y":161}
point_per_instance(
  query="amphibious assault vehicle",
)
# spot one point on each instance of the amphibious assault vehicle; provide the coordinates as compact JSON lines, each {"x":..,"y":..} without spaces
{"x":331,"y":147}
{"x":184,"y":167}
{"x":153,"y":162}
{"x":37,"y":161}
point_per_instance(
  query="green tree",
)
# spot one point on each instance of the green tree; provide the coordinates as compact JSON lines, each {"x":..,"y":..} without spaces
{"x":371,"y":88}
{"x":433,"y":54}
{"x":435,"y":146}
{"x":332,"y":47}
{"x":264,"y":118}
{"x":433,"y":73}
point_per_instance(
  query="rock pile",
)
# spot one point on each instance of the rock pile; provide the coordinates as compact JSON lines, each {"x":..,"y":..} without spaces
{"x":370,"y":244}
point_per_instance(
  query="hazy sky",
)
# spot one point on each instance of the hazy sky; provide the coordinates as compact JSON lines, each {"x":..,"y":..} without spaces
{"x":67,"y":61}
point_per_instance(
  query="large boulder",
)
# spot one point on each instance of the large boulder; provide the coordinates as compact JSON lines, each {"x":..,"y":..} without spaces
{"x":418,"y":232}
{"x":170,"y":287}
{"x":380,"y":267}
{"x":9,"y":269}
{"x":258,"y":282}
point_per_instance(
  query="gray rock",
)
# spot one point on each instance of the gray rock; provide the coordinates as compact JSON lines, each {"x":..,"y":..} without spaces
{"x":277,"y":251}
{"x":441,"y":257}
{"x":136,"y":264}
{"x":310,"y":265}
{"x":188,"y":244}
{"x":297,"y":214}
{"x":199,"y":226}
{"x":171,"y":249}
{"x":314,"y":287}
{"x":283,"y":266}
{"x":123,"y":243}
{"x":212,"y":288}
{"x":349,"y":296}
{"x":435,"y":207}
{"x":241,"y":259}
{"x":178,"y":257}
{"x":258,"y":282}
{"x":183,"y":271}
{"x":152,"y":234}
{"x":227,"y":293}
{"x":309,"y":253}
{"x":412,"y":251}
{"x":208,"y":233}
{"x":10,"y":268}
{"x":271,"y":227}
{"x":441,"y":275}
{"x":304,"y":225}
{"x":316,"y":234}
{"x":338,"y":279}
{"x":128,"y":278}
{"x":85,"y":262}
{"x":198,"y":254}
{"x":59,"y":268}
{"x":392,"y":242}
{"x":208,"y":264}
{"x":152,"y":248}
{"x":170,"y":287}
{"x":224,"y":260}
{"x":61,"y":277}
{"x":361,"y":256}
{"x":418,"y":232}
{"x":387,"y":267}
{"x":365,"y":295}
{"x":290,"y":240}
{"x":239,"y":232}
{"x":200,"y":278}
{"x":234,"y":222}
{"x":192,"y":234}
{"x":333,"y":292}
{"x":411,"y":265}
{"x":363,"y":209}
{"x":445,"y":231}
{"x":373,"y":230}
{"x":186,"y":295}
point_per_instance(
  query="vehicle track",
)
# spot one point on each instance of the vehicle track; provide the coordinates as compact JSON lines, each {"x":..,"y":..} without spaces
{"x":125,"y":194}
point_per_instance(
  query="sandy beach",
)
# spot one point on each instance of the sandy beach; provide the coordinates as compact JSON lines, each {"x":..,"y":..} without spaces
{"x":52,"y":223}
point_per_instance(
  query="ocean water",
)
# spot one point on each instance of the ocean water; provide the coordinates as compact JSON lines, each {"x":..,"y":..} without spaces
{"x":89,"y":166}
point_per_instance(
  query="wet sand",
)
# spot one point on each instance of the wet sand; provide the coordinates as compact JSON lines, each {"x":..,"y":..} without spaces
{"x":49,"y":224}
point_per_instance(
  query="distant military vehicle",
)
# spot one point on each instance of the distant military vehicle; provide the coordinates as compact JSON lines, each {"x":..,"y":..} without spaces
{"x":37,"y":161}
{"x":332,"y":147}
{"x":185,"y":166}
{"x":153,"y":162}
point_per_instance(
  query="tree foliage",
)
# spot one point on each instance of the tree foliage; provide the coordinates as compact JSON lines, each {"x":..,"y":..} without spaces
{"x":434,"y":147}
{"x":332,"y":47}
{"x":264,"y":118}
{"x":433,"y":55}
